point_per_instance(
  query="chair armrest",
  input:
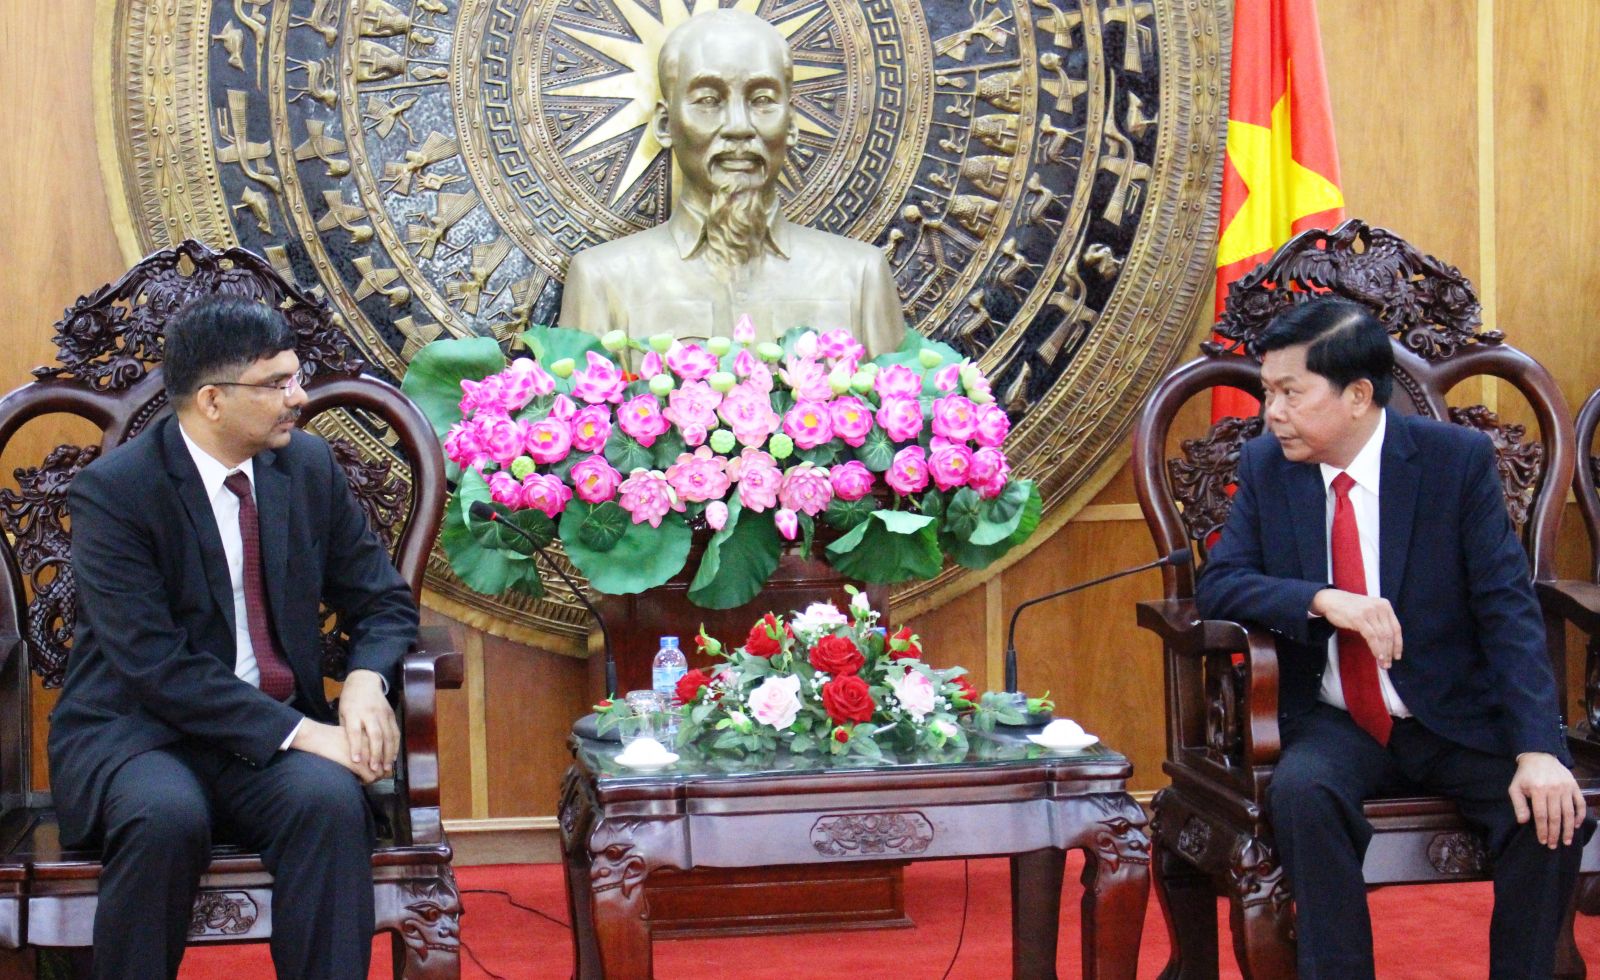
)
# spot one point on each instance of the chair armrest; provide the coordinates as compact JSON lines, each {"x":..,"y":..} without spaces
{"x":428,"y":668}
{"x":1573,"y":600}
{"x":1185,"y":634}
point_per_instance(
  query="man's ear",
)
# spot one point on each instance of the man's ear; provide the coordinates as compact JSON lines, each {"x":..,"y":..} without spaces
{"x":206,"y":402}
{"x":661,"y":125}
{"x":1359,"y":392}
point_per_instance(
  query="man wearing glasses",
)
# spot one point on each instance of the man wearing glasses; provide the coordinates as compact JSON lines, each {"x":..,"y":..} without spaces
{"x":193,"y":708}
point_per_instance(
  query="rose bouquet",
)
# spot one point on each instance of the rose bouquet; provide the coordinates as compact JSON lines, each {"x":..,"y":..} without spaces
{"x":622,"y":448}
{"x":827,"y":681}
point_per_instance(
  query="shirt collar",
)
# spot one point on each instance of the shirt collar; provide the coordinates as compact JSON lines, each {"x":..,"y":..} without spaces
{"x":688,"y":227}
{"x":1364,"y":468}
{"x":212,"y":470}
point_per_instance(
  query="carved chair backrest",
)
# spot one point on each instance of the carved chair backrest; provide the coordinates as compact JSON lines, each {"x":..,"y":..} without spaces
{"x":1585,"y":484}
{"x":108,"y":373}
{"x":1434,"y":320}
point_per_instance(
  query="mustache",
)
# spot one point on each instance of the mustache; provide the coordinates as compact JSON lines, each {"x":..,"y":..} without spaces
{"x":292,"y":415}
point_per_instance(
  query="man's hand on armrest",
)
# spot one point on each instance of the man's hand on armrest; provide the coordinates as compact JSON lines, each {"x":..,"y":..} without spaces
{"x":1371,"y":616}
{"x":328,"y":741}
{"x":1543,"y":789}
{"x":369,"y":724}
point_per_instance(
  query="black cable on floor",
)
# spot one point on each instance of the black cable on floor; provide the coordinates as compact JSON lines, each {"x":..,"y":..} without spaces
{"x":493,"y":975}
{"x":961,"y":936}
{"x":515,"y":904}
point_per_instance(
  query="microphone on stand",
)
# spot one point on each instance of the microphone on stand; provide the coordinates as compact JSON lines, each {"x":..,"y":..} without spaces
{"x":484,"y":512}
{"x":1180,"y":557}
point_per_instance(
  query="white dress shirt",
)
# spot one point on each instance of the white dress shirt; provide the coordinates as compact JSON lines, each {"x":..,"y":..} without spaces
{"x":1364,"y":469}
{"x":225,"y":508}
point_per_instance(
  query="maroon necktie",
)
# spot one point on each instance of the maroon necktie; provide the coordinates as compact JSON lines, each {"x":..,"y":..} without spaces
{"x":277,"y":680}
{"x":1358,"y":668}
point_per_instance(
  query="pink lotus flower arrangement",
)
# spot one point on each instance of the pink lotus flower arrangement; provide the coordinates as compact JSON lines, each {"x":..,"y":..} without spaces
{"x":620,"y":448}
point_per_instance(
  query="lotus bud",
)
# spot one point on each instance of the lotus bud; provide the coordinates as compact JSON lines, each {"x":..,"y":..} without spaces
{"x":614,"y":340}
{"x":929,"y":358}
{"x":719,"y":345}
{"x":839,"y":379}
{"x":806,"y":344}
{"x":770,"y":352}
{"x":781,"y":446}
{"x":661,"y":384}
{"x":522,"y":466}
{"x":661,"y":342}
{"x":722,"y":381}
{"x":861,"y":382}
{"x":970,"y":376}
{"x":744,"y":329}
{"x":563,"y":368}
{"x":722,"y":442}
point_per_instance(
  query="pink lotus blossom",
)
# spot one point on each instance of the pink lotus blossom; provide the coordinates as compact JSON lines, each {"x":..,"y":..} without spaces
{"x":700,"y":475}
{"x":716,"y":515}
{"x":993,"y":425}
{"x":591,"y":428}
{"x":641,"y":418}
{"x":990,"y":472}
{"x":788,"y":524}
{"x":900,"y":418}
{"x":805,"y":488}
{"x":545,"y":492}
{"x":691,"y":362}
{"x":595,"y":480}
{"x":955,"y":418}
{"x":909,"y":472}
{"x":647,"y":496}
{"x":487,"y":396}
{"x":758,"y":477}
{"x":838,"y":345}
{"x":950,"y":466}
{"x":651,"y":366}
{"x":806,"y":344}
{"x":462,"y":447}
{"x":898,"y":381}
{"x":948,"y":378}
{"x":563,"y":408}
{"x":524,"y":381}
{"x":744,"y":363}
{"x":808,"y":379}
{"x":851,"y":419}
{"x":504,"y":489}
{"x":548,"y":440}
{"x":744,"y":329}
{"x":693,"y":404}
{"x":808,"y":424}
{"x":776,"y":701}
{"x":760,"y":378}
{"x":749,"y":414}
{"x":500,"y":437}
{"x":601,"y":381}
{"x":851,"y":481}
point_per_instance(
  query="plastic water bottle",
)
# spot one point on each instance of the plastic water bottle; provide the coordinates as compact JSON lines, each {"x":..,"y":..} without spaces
{"x":665,"y":672}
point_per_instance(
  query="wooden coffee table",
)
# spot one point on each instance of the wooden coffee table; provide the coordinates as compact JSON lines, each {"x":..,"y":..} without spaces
{"x":1005,"y":796}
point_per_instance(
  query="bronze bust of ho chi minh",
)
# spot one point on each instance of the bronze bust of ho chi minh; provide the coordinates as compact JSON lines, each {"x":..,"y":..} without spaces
{"x":727,"y":249}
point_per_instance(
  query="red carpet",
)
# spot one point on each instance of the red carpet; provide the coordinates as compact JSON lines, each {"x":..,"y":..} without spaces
{"x":1422,"y":933}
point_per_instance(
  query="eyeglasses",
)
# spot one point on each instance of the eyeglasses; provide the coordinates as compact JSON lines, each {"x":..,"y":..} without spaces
{"x":293,"y":381}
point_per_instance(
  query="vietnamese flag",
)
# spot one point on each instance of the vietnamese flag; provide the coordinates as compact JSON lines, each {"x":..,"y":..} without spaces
{"x":1281,"y":172}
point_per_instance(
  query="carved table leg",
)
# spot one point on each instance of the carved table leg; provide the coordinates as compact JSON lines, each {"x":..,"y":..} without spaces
{"x":1036,"y":912}
{"x":1189,"y":905}
{"x":427,"y":942}
{"x":1261,"y":913}
{"x":617,"y":872}
{"x":1116,"y":890}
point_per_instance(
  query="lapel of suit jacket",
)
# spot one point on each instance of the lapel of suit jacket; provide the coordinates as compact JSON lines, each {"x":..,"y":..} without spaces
{"x":1308,"y":510}
{"x":272,"y":509}
{"x":192,"y":491}
{"x":1397,"y":504}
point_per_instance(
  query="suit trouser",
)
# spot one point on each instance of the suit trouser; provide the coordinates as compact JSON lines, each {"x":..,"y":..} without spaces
{"x":307,"y":817}
{"x":1329,"y":765}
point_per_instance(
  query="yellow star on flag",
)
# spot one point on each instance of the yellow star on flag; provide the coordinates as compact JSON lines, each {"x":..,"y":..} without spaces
{"x":1281,"y":190}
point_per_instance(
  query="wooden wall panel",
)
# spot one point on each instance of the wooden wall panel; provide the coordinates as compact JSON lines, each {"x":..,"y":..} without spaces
{"x":533,"y":698}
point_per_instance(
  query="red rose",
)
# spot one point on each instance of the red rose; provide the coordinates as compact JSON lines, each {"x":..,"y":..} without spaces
{"x":837,"y":655}
{"x":604,"y":704}
{"x":847,"y":699}
{"x":761,"y":642}
{"x":840,"y":735}
{"x":690,"y":684}
{"x":966,"y":691}
{"x":905,"y":644}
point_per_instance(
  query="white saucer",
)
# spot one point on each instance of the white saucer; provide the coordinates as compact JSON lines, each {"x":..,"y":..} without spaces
{"x":647,"y":765}
{"x":1074,"y":744}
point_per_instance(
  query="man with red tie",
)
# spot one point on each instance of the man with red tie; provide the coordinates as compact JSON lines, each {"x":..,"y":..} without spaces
{"x":1411,"y":649}
{"x":193,"y":710}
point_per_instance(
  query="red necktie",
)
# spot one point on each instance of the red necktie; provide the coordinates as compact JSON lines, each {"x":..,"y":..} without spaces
{"x":277,"y":680}
{"x":1358,"y":668}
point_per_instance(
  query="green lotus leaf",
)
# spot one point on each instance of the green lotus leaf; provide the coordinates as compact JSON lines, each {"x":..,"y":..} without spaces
{"x":433,"y":378}
{"x":737,"y":562}
{"x":642,"y":558}
{"x":970,"y":555}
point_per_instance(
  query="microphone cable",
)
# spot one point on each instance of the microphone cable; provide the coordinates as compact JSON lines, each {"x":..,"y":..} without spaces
{"x":961,"y":934}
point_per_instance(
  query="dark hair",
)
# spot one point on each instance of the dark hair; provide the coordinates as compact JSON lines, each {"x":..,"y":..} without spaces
{"x":215,"y":338}
{"x":1344,"y":343}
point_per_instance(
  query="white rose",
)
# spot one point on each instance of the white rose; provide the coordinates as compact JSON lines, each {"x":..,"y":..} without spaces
{"x":859,"y":604}
{"x":915,"y":692}
{"x":776,"y":701}
{"x":818,"y":618}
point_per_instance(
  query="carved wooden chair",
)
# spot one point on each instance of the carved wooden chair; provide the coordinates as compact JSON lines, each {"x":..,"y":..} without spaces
{"x":1210,"y":832}
{"x":108,"y":373}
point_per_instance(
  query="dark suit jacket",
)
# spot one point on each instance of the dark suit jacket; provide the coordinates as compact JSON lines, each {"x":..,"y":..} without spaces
{"x":153,"y":653}
{"x":1474,"y":668}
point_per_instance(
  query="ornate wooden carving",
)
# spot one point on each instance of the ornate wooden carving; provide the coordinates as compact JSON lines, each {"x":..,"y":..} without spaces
{"x":431,"y":924}
{"x":1202,"y":478}
{"x":854,"y":834}
{"x":1591,"y":683}
{"x":384,"y":499}
{"x":111,"y":339}
{"x":1119,"y":836}
{"x":1520,"y":464}
{"x":34,"y":518}
{"x":1458,"y":853}
{"x":223,"y":914}
{"x":1257,"y":877}
{"x":1427,"y":305}
{"x":1195,"y":837}
{"x":1224,"y":710}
